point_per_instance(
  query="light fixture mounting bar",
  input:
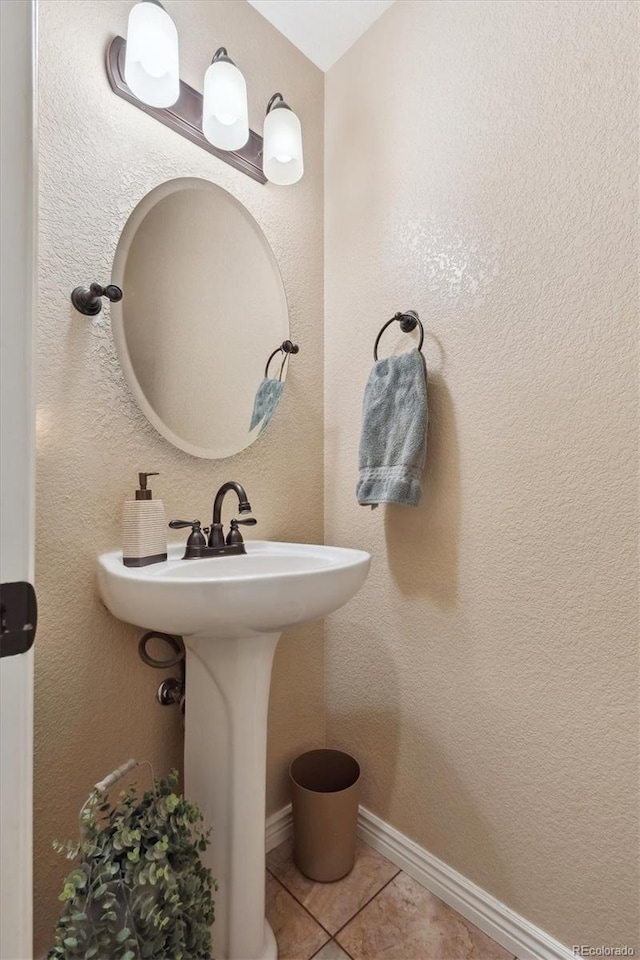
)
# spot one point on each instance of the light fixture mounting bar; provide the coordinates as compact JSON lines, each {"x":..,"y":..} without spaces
{"x":185,"y":116}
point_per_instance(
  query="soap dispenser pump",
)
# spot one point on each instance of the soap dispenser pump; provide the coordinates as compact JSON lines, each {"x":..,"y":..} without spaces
{"x":144,"y":527}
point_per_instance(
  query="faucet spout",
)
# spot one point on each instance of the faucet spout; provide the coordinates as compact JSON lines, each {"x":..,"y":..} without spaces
{"x":216,"y":535}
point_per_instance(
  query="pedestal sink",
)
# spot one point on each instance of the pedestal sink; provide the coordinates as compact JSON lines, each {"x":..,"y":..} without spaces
{"x":231,"y":612}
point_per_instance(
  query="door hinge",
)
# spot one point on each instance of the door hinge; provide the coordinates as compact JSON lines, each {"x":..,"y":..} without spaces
{"x":18,"y":618}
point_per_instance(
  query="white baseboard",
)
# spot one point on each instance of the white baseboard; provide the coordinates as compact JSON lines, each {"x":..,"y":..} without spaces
{"x":498,"y":921}
{"x":279,"y":828}
{"x":509,"y":929}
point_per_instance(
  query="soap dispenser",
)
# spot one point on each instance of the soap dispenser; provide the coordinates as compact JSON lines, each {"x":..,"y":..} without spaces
{"x":144,"y":528}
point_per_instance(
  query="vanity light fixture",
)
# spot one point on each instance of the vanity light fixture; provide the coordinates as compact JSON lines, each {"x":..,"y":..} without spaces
{"x":152,"y":69}
{"x":144,"y":70}
{"x":282,"y":149}
{"x":225,"y":112}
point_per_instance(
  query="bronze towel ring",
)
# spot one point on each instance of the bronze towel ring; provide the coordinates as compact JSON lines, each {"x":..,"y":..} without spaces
{"x":286,"y":348}
{"x":408,"y":321}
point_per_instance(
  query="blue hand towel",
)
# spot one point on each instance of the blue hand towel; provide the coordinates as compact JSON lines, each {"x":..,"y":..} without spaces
{"x":393,"y":442}
{"x":266,"y":402}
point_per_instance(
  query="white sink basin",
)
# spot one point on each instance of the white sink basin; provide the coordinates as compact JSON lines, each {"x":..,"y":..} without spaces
{"x":273,"y":587}
{"x":231,"y":612}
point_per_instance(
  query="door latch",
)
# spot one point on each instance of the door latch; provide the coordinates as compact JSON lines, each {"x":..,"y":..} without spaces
{"x":18,"y":618}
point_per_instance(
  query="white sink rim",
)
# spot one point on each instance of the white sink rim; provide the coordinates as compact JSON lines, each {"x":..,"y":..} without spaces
{"x":338,"y":558}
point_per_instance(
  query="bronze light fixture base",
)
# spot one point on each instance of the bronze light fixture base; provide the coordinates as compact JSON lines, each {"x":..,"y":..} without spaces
{"x":185,"y":116}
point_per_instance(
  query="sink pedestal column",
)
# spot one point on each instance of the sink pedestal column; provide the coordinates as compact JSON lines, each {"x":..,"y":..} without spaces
{"x":225,"y":774}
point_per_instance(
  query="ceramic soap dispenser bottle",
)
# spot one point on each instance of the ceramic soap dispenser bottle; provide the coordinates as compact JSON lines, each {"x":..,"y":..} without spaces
{"x":144,"y":528}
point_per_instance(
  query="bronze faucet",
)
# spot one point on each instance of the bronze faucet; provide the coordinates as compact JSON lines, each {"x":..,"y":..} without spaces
{"x":216,"y":545}
{"x":216,"y":534}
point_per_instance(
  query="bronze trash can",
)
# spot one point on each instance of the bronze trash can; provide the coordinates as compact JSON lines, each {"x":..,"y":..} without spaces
{"x":324,"y":794}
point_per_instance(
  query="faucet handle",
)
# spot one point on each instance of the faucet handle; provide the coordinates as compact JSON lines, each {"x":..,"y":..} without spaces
{"x":196,"y":539}
{"x":234,"y":535}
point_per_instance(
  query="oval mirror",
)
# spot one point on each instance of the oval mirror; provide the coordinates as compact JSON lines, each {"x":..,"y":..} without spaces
{"x":203,"y":309}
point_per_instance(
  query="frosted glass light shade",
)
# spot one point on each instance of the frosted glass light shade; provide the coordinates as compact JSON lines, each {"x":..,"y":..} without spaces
{"x":282,"y":150}
{"x":151,"y":66}
{"x":225,"y":113}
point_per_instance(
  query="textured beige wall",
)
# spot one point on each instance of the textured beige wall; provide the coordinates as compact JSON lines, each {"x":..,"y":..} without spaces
{"x":480,"y":167}
{"x":98,"y":157}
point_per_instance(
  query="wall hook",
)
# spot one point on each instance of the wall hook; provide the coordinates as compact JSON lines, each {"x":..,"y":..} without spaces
{"x":88,"y":300}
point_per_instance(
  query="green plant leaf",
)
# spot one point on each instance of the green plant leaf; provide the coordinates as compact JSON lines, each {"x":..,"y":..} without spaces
{"x":138,"y":869}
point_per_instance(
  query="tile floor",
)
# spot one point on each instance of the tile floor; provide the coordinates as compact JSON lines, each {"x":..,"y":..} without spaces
{"x":377,"y":912}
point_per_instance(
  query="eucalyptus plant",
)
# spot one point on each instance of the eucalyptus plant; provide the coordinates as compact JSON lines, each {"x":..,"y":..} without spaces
{"x":139,"y":890}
